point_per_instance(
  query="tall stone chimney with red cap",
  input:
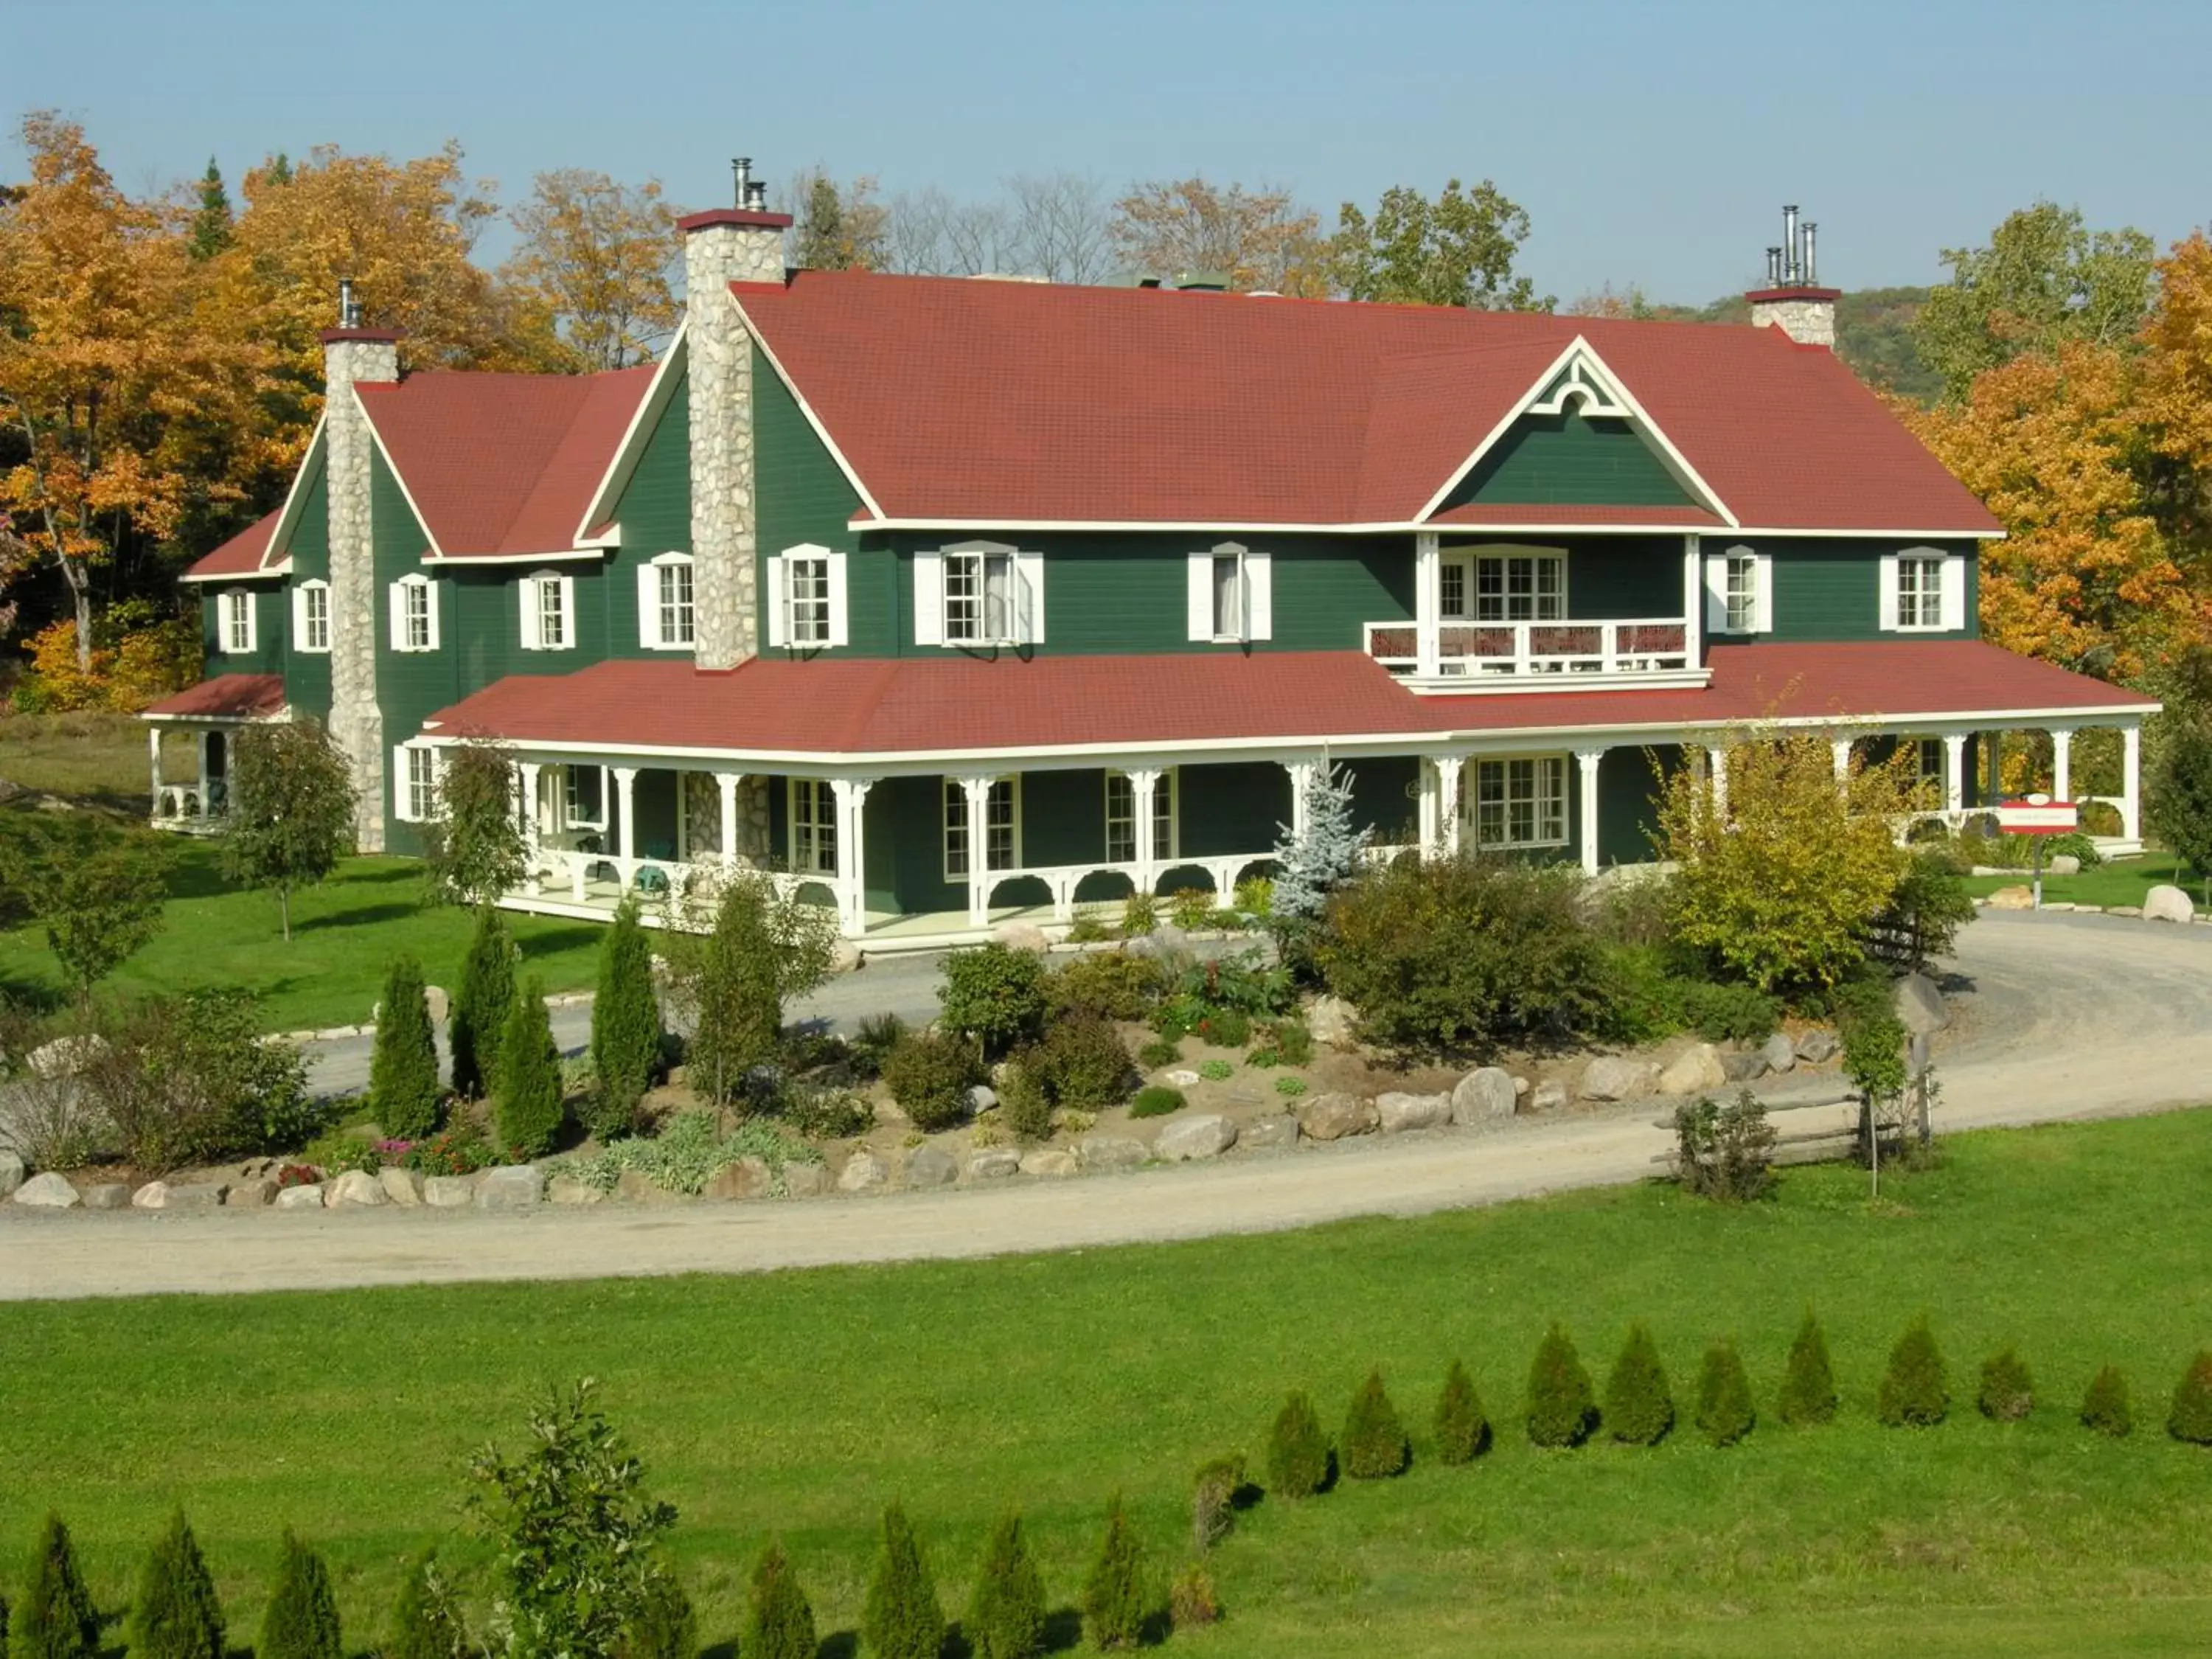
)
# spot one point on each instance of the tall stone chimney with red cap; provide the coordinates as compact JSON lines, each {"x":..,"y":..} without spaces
{"x":1793,"y":300}
{"x":738,"y":244}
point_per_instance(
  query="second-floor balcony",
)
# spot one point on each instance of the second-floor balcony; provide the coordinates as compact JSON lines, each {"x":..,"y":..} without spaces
{"x":1474,"y":652}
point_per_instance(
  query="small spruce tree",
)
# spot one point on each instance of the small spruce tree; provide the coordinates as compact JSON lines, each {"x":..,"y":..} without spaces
{"x":2106,"y":1408}
{"x":1562,"y":1409}
{"x":1375,"y":1444}
{"x":176,"y":1615}
{"x":1725,"y":1414}
{"x":1313,"y":862}
{"x":664,"y":1627}
{"x":1006,"y":1616}
{"x":54,"y":1619}
{"x":424,"y":1622}
{"x":2189,"y":1417}
{"x":902,"y":1618}
{"x":2007,"y":1391}
{"x":1462,"y":1431}
{"x":1808,"y":1385}
{"x":1916,"y":1393}
{"x":778,"y":1620}
{"x":625,"y":1025}
{"x":403,"y":1070}
{"x":528,"y":1106}
{"x":1639,"y":1407}
{"x":302,"y":1618}
{"x":480,"y":1003}
{"x":1298,"y":1451}
{"x":1114,"y":1607}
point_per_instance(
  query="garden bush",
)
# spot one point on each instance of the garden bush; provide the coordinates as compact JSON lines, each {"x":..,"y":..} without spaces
{"x":1725,"y":1413}
{"x":1110,"y":984}
{"x":189,"y":1079}
{"x":1007,"y":1613}
{"x":54,"y":1618}
{"x":665,"y":1625}
{"x":1808,"y":1382}
{"x":1375,"y":1444}
{"x":403,"y":1068}
{"x":1639,"y":1408}
{"x":478,"y":1020}
{"x":1724,"y":1153}
{"x":1083,"y":1063}
{"x":1140,"y":915}
{"x":1290,"y":1087}
{"x":528,"y":1109}
{"x":1873,"y":1036}
{"x":1298,"y":1460}
{"x":1090,"y":928}
{"x":2105,"y":1407}
{"x":1214,"y":1501}
{"x":873,"y":1040}
{"x":2007,"y":1391}
{"x":1024,"y":1106}
{"x":929,"y":1075}
{"x":1916,"y":1393}
{"x":1462,"y":1432}
{"x":176,"y":1615}
{"x":1224,"y":1028}
{"x":1217,"y":1071}
{"x":1256,"y":897}
{"x":1193,"y":1599}
{"x":828,"y":1113}
{"x":425,"y":1624}
{"x":2190,"y":1416}
{"x":301,"y":1621}
{"x":1158,"y":1053}
{"x":1924,"y":914}
{"x":1116,"y":1608}
{"x":995,"y":995}
{"x":1156,"y":1100}
{"x":1191,"y":908}
{"x":779,"y":1619}
{"x":901,"y":1618}
{"x":1292,"y":1040}
{"x":625,"y":1026}
{"x":459,"y":1149}
{"x":1562,"y":1410}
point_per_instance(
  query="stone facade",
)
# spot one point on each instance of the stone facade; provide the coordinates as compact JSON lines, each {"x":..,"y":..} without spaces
{"x":1806,"y":318}
{"x":719,"y":249}
{"x":703,"y":817}
{"x":352,"y":355}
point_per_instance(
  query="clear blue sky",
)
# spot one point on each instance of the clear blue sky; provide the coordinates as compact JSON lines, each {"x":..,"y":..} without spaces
{"x":1652,"y":143}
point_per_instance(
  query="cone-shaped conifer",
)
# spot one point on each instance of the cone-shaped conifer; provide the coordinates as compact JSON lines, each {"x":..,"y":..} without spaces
{"x":778,"y":1620}
{"x":55,"y":1618}
{"x":625,"y":1025}
{"x":664,"y":1626}
{"x":2007,"y":1391}
{"x":1562,"y":1409}
{"x":403,"y":1068}
{"x":1005,"y":1615}
{"x":1375,"y":1444}
{"x":1725,"y":1414}
{"x":1115,"y":1606}
{"x":302,"y":1618}
{"x":1214,"y":1501}
{"x":1298,"y":1451}
{"x":2189,"y":1417}
{"x":176,"y":1615}
{"x":477,"y":1025}
{"x":902,"y":1618}
{"x":1916,"y":1391}
{"x":1808,"y":1386}
{"x":2106,"y":1408}
{"x":424,"y":1625}
{"x":529,"y":1103}
{"x":1462,"y":1432}
{"x":1639,"y":1407}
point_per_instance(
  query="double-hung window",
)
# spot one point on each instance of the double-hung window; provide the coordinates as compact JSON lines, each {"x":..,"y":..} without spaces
{"x":977,"y":593}
{"x":666,"y":617}
{"x":1122,"y":817}
{"x":1231,"y":599}
{"x":1919,"y":593}
{"x":416,"y":784}
{"x":414,"y":614}
{"x":1001,"y":828}
{"x":813,"y":827}
{"x":1510,"y":584}
{"x":1923,"y":590}
{"x":237,"y":618}
{"x":1521,"y":801}
{"x":311,"y":617}
{"x":1739,"y":591}
{"x":549,"y":612}
{"x":979,"y":598}
{"x":807,"y":599}
{"x":584,"y":797}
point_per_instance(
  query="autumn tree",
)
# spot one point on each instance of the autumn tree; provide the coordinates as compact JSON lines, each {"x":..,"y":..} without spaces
{"x":599,"y":257}
{"x":1457,"y":250}
{"x":840,"y":227}
{"x":1258,"y":239}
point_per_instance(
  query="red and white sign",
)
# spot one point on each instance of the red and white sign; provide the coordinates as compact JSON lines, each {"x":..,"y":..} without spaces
{"x":2039,"y":818}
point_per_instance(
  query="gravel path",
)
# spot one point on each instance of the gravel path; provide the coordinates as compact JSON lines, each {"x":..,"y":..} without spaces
{"x":2064,"y":1017}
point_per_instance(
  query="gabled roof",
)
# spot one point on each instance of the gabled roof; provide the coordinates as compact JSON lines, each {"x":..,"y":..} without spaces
{"x":954,"y":401}
{"x":240,"y":556}
{"x":227,"y":696}
{"x":502,"y":465}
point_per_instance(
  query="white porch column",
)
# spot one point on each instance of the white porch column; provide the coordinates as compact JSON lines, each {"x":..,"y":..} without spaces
{"x":626,"y":828}
{"x":1302,"y":776}
{"x":2061,"y":762}
{"x":529,"y":772}
{"x":851,"y":795}
{"x":1428,"y":602}
{"x":153,"y":761}
{"x":199,"y":747}
{"x":2131,"y":781}
{"x":1427,"y":832}
{"x":1588,"y":761}
{"x":727,"y":783}
{"x":1841,"y":749}
{"x":977,"y":794}
{"x":1449,"y":768}
{"x":1716,"y":775}
{"x":1694,"y":601}
{"x":1144,"y":794}
{"x":1954,"y":771}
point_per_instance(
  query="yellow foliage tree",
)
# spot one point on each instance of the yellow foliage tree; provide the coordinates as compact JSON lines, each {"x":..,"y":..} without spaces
{"x":1259,"y":239}
{"x":596,"y":256}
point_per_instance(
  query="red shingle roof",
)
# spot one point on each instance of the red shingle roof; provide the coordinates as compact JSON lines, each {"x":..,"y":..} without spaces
{"x":1022,"y":403}
{"x":504,"y":465}
{"x":846,"y":707}
{"x":240,"y":556}
{"x":227,"y":696}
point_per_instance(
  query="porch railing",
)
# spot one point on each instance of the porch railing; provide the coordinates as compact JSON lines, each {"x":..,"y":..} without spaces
{"x":1501,"y":649}
{"x":583,"y":876}
{"x":177,"y":804}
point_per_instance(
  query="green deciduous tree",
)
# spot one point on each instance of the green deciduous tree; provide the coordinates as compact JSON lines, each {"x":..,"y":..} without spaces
{"x":902,"y":1618}
{"x":403,"y":1068}
{"x":100,"y":893}
{"x":1639,"y":1407}
{"x":1915,"y":1390}
{"x":1725,"y":1413}
{"x":1006,"y":1615}
{"x":291,"y":811}
{"x":2181,"y":804}
{"x":762,"y":950}
{"x":1457,"y":250}
{"x":176,"y":1615}
{"x":1808,"y":1382}
{"x":840,"y":227}
{"x":995,"y":994}
{"x":1562,"y":1408}
{"x":1462,"y":1431}
{"x":1298,"y":1451}
{"x":425,"y":1622}
{"x":779,"y":1621}
{"x":477,"y":1024}
{"x":625,"y":1025}
{"x":1116,"y":1602}
{"x":472,"y":848}
{"x":301,"y":1621}
{"x":1375,"y":1444}
{"x":528,"y":1105}
{"x":54,"y":1617}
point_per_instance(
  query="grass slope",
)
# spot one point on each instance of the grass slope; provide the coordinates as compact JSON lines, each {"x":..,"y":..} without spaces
{"x":2122,"y":882}
{"x":797,"y":1403}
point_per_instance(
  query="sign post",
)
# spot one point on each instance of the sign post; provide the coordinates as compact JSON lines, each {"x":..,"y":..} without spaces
{"x":2039,"y":815}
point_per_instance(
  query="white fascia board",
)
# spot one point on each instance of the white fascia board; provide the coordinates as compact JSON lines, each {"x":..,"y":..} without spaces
{"x":296,"y":497}
{"x":267,"y":573}
{"x":421,"y":523}
{"x":278,"y":717}
{"x":642,"y":421}
{"x":1234,"y":527}
{"x":1885,"y":535}
{"x":571,"y":555}
{"x":851,"y":477}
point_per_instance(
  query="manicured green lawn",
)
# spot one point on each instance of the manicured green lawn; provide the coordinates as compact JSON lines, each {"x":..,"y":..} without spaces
{"x":796,"y":1403}
{"x":343,"y":933}
{"x":2121,"y":882}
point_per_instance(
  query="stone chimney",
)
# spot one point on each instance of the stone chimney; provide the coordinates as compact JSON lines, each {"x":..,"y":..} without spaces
{"x":353,"y":355}
{"x":1792,"y":300}
{"x":739,"y":244}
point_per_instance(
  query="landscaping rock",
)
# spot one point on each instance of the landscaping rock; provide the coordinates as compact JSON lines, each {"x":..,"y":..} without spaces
{"x":50,"y":1191}
{"x":355,"y":1188}
{"x":1333,"y":1116}
{"x":1207,"y":1134}
{"x":12,"y":1173}
{"x":805,"y":1180}
{"x":1332,"y":1022}
{"x":255,"y":1194}
{"x":1483,"y":1094}
{"x":108,"y":1196}
{"x":1693,"y":1071}
{"x":1519,"y":1086}
{"x":1548,"y":1098}
{"x":567,"y":1189}
{"x":1163,"y":941}
{"x":1020,"y":936}
{"x":748,"y":1177}
{"x":1816,"y":1047}
{"x":931,"y":1166}
{"x":402,"y":1187}
{"x":1743,"y":1064}
{"x":1181,"y":1078}
{"x":2012,"y":898}
{"x":2167,"y":903}
{"x":863,"y":1172}
{"x":845,"y":957}
{"x":1261,"y":1135}
{"x":1396,"y":1113}
{"x":66,"y":1056}
{"x":440,"y":1005}
{"x":1919,"y":1005}
{"x":995,"y":1164}
{"x":310,"y":1197}
{"x":1616,"y":1077}
{"x":981,"y":1098}
{"x":1110,"y":1152}
{"x":2063,"y":864}
{"x":449,"y":1192}
{"x":1779,"y":1052}
{"x":178,"y":1195}
{"x":511,"y":1187}
{"x":1049,"y":1163}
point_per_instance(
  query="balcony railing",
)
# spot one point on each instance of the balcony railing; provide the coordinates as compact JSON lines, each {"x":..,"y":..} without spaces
{"x":1503,"y":649}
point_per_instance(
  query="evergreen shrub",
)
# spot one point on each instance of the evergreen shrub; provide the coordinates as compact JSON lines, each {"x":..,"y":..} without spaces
{"x":1562,"y":1409}
{"x":54,"y":1618}
{"x":477,"y":1023}
{"x":1299,"y":1461}
{"x":1158,"y":1053}
{"x":1114,"y":1609}
{"x":1024,"y":1106}
{"x":1375,"y":1444}
{"x":1808,"y":1384}
{"x":1462,"y":1431}
{"x":1193,"y":1599}
{"x":403,"y":1069}
{"x":929,"y":1075}
{"x":1725,"y":1412}
{"x":2105,"y":1407}
{"x":425,"y":1624}
{"x":902,"y":1618}
{"x":1007,"y":1613}
{"x":625,"y":1026}
{"x":1110,"y":984}
{"x":664,"y":1627}
{"x":1083,"y":1063}
{"x":176,"y":1615}
{"x":2190,"y":1416}
{"x":994,"y":994}
{"x":1916,"y":1393}
{"x":2007,"y":1391}
{"x":528,"y":1109}
{"x":1156,"y":1100}
{"x":1225,"y":1028}
{"x":1214,"y":1501}
{"x":778,"y":1620}
{"x":1639,"y":1408}
{"x":301,"y":1621}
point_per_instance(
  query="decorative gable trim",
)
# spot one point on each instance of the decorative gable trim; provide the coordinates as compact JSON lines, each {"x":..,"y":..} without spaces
{"x":399,"y":478}
{"x":1579,"y":375}
{"x":821,"y":431}
{"x":643,"y":421}
{"x":295,"y":498}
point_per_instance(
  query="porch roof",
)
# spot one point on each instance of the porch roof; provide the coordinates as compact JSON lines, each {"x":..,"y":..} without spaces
{"x":227,"y":696}
{"x":912,"y":708}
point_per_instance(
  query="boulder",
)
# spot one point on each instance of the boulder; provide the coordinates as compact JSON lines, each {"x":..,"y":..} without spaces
{"x":511,"y":1187}
{"x":440,"y":1005}
{"x":66,"y":1056}
{"x":1616,"y":1077}
{"x":1396,"y":1113}
{"x":633,"y":1187}
{"x":1162,"y":941}
{"x":863,"y":1172}
{"x":1695,"y":1071}
{"x":309,"y":1197}
{"x":402,"y":1187}
{"x":1333,"y":1116}
{"x":1779,"y":1052}
{"x":1919,"y":1005}
{"x":108,"y":1196}
{"x":2018,"y":897}
{"x":255,"y":1194}
{"x":2167,"y":903}
{"x":567,"y":1189}
{"x":12,"y":1172}
{"x":805,"y":1180}
{"x":1482,"y":1095}
{"x":749,"y":1177}
{"x":50,"y":1191}
{"x":178,"y":1195}
{"x":449,"y":1192}
{"x":2063,"y":864}
{"x":1182,"y":1078}
{"x":1020,"y":936}
{"x":846,"y":957}
{"x":1206,"y":1134}
{"x":1048,"y":1162}
{"x":1097,"y":1151}
{"x":981,"y":1098}
{"x":355,"y":1188}
{"x":994,"y":1164}
{"x":1816,"y":1047}
{"x":1263,"y":1133}
{"x":1519,"y":1086}
{"x":1550,"y":1096}
{"x":1743,"y":1064}
{"x":931,"y":1166}
{"x":1334,"y":1022}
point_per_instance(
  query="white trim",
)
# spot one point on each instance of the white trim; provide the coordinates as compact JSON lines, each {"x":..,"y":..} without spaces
{"x":312,"y":463}
{"x":659,"y":391}
{"x":273,"y":573}
{"x":1025,"y":578}
{"x":403,"y":781}
{"x":779,"y":602}
{"x":397,"y":476}
{"x":977,"y":869}
{"x":841,"y":620}
{"x":299,"y":592}
{"x":1198,"y":598}
{"x":557,"y":555}
{"x":1029,"y":598}
{"x":1716,"y":594}
{"x":530,"y":591}
{"x":821,"y":431}
{"x":396,"y":606}
{"x":649,"y":636}
{"x":1382,"y":527}
{"x":835,"y":824}
{"x":1259,"y":596}
{"x":1471,"y":801}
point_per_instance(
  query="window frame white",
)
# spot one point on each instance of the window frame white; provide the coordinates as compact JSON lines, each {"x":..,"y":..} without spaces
{"x":1254,"y":595}
{"x":306,"y":623}
{"x":403,"y":596}
{"x":535,"y":591}
{"x":1121,"y":804}
{"x":933,"y":598}
{"x":570,"y":818}
{"x":1947,"y":584}
{"x":1466,"y":564}
{"x":236,"y":625}
{"x":414,"y":777}
{"x":830,"y":627}
{"x":1543,"y":771}
{"x":813,"y":830}
{"x":1721,"y":592}
{"x":652,"y":605}
{"x":953,"y":796}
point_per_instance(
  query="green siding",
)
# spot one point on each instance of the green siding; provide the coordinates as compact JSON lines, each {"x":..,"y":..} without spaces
{"x":307,"y":675}
{"x":905,"y":847}
{"x":1233,"y":808}
{"x":271,"y":622}
{"x":1385,"y":797}
{"x":1564,"y":458}
{"x":1064,"y":817}
{"x":805,"y":498}
{"x":1830,"y":590}
{"x":1628,"y":785}
{"x":1619,"y":577}
{"x":654,"y":511}
{"x":410,"y":685}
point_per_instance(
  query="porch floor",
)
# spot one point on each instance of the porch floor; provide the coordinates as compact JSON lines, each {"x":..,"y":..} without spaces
{"x":888,"y":934}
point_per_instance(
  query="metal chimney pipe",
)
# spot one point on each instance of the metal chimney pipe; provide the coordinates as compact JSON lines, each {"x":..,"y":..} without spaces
{"x":1789,"y":251}
{"x":348,"y":313}
{"x":1812,"y":269}
{"x":741,"y":173}
{"x":1774,"y":267}
{"x":756,"y":194}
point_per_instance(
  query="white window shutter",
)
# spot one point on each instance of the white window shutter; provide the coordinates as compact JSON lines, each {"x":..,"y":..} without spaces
{"x":533,"y":637}
{"x":1259,"y":596}
{"x":396,"y":603}
{"x":568,"y":613}
{"x":1717,"y":593}
{"x":430,"y":605}
{"x":1201,"y":596}
{"x":648,"y":605}
{"x":1955,"y":593}
{"x":839,"y":632}
{"x":1888,"y":620}
{"x":928,"y":598}
{"x":1029,"y":598}
{"x":1762,"y":572}
{"x":779,"y":601}
{"x":299,"y":618}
